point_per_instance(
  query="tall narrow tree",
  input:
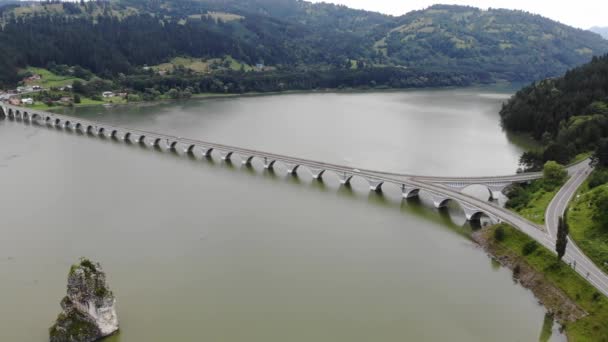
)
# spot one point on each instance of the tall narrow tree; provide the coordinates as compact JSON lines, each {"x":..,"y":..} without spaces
{"x":562,"y":237}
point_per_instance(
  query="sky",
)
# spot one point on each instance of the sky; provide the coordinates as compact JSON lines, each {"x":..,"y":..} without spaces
{"x":580,"y":13}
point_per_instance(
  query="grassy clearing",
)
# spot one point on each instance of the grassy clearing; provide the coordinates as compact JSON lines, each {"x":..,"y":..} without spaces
{"x":592,"y":327}
{"x":589,"y":234}
{"x":531,"y":201}
{"x":49,"y":79}
{"x":199,"y":65}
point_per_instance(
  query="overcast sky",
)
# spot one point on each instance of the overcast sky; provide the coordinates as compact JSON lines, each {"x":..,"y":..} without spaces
{"x":579,"y":13}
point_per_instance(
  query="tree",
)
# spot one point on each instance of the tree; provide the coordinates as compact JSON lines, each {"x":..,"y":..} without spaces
{"x":558,"y":153}
{"x":499,"y":234}
{"x":531,"y":161}
{"x":76,"y":98}
{"x":554,"y":175}
{"x":78,"y":87}
{"x":601,"y":209}
{"x":600,"y":157}
{"x":562,"y":237}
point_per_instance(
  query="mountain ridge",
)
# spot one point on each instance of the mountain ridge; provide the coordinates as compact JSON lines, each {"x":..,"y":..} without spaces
{"x":294,"y":34}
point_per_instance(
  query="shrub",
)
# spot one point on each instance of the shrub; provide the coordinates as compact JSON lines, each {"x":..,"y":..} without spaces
{"x":499,"y":234}
{"x":529,"y":247}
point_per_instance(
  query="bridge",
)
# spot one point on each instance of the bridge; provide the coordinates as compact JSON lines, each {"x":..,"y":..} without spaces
{"x":441,"y":190}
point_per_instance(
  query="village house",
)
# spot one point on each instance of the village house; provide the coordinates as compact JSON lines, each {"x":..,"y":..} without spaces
{"x":107,"y":94}
{"x":14,"y":101}
{"x":27,"y":101}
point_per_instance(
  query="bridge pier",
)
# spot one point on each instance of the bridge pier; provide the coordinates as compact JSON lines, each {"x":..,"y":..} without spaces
{"x":439,"y":201}
{"x":227,"y":157}
{"x":247,"y":161}
{"x":409,"y":191}
{"x":375,"y":185}
{"x":208,"y":152}
{"x":345,"y":179}
{"x":292,"y":168}
{"x":190,"y":150}
{"x":317,"y":174}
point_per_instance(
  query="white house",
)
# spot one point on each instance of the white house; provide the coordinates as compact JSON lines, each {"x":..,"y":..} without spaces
{"x":27,"y":101}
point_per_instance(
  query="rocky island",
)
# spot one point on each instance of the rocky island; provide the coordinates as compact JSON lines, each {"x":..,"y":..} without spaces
{"x":89,"y":311}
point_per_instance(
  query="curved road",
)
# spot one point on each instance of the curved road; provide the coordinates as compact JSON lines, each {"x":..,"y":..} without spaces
{"x":584,"y":266}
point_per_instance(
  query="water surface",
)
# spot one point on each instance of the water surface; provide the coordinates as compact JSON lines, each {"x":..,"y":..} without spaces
{"x":199,"y":250}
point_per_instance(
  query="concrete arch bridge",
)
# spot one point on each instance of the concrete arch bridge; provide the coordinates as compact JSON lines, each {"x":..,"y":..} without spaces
{"x":441,"y":190}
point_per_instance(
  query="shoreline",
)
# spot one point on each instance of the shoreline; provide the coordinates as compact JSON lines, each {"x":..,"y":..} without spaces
{"x":215,"y":96}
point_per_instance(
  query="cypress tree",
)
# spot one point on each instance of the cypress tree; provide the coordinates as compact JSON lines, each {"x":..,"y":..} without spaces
{"x":562,"y":237}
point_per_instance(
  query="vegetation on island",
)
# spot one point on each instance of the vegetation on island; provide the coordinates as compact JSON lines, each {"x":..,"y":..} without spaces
{"x":147,"y":47}
{"x":576,"y":304}
{"x":531,"y":200}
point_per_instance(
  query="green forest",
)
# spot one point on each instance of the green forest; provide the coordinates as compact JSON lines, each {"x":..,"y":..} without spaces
{"x":299,"y":45}
{"x":568,"y":115}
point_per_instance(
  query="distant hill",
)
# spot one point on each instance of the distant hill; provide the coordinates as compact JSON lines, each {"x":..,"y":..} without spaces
{"x":602,"y":31}
{"x":458,"y":45}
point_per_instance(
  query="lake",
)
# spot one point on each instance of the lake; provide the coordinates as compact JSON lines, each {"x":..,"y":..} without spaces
{"x":197,"y":249}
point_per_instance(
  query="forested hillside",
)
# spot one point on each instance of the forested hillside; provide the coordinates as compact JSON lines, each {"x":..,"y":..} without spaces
{"x":568,"y":114}
{"x":452,"y":44}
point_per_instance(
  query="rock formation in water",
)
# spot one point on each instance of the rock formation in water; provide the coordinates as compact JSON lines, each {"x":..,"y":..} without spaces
{"x":89,"y":311}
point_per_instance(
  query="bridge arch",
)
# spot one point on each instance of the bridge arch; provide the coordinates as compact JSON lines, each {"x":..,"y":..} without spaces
{"x":141,"y":139}
{"x":173,"y":146}
{"x":114,"y":134}
{"x":101,"y":131}
{"x":127,"y":137}
{"x":89,"y":129}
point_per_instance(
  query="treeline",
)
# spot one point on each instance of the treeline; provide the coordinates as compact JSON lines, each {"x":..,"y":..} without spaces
{"x":568,"y":115}
{"x":292,"y":79}
{"x":111,"y":38}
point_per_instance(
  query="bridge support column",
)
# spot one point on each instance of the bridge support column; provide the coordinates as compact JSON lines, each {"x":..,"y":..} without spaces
{"x":345,"y":179}
{"x":375,"y":185}
{"x":247,"y":161}
{"x":268,"y":164}
{"x":292,"y":168}
{"x":227,"y":157}
{"x":317,"y":174}
{"x":207,"y":153}
{"x":409,"y":191}
{"x":439,"y":201}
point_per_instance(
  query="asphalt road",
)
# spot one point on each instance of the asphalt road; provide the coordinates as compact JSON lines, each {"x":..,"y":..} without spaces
{"x":574,"y":256}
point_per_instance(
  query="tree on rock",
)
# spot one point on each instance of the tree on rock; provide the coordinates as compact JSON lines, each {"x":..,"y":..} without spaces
{"x":562,"y":237}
